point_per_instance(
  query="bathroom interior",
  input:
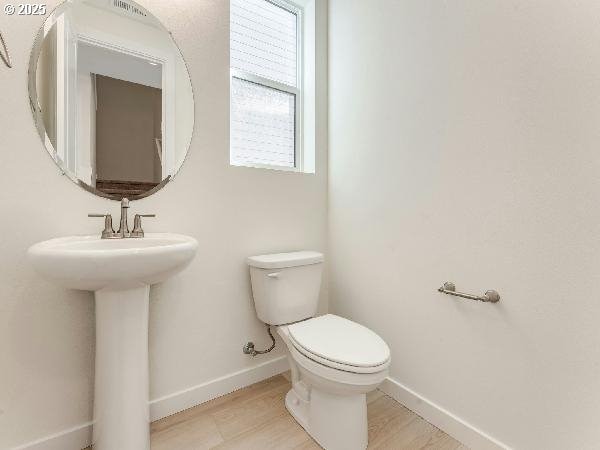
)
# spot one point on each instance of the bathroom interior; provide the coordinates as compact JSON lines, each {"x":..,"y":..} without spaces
{"x":300,"y":224}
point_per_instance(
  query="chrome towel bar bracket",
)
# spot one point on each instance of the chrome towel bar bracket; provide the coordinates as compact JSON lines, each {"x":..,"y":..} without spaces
{"x":489,"y":296}
{"x":4,"y":53}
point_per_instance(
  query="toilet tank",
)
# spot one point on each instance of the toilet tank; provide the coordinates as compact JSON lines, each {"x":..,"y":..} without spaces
{"x":285,"y":286}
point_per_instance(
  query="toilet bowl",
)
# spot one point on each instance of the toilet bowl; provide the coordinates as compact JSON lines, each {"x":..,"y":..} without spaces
{"x":334,"y":362}
{"x":330,"y":379}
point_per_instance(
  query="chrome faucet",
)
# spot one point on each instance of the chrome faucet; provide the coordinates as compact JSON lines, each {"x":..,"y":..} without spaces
{"x":123,"y":227}
{"x":123,"y":232}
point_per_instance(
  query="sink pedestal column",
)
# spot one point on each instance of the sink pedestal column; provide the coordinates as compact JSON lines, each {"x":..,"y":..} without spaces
{"x":121,"y":408}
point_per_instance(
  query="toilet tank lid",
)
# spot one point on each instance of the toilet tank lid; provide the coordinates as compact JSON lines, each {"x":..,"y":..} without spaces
{"x":282,"y":260}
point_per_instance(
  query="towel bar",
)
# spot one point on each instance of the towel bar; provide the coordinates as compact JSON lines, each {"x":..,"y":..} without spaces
{"x":489,"y":296}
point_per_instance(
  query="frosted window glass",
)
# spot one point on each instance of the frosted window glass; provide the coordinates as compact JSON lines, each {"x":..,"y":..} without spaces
{"x":262,"y":125}
{"x":264,"y":40}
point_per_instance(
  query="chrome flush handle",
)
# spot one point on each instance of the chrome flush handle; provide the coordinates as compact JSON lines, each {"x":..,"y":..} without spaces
{"x":138,"y":232}
{"x":108,"y":232}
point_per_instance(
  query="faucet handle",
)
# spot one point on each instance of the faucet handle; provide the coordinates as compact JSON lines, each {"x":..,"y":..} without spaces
{"x":137,"y":231}
{"x":108,"y":231}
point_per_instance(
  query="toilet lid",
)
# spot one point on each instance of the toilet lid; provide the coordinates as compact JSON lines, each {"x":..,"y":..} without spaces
{"x":341,"y":341}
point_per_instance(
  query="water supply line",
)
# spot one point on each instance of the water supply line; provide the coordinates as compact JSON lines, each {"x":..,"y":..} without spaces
{"x":250,"y":350}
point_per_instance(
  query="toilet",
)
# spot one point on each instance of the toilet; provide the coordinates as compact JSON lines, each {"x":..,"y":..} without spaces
{"x":334,"y":362}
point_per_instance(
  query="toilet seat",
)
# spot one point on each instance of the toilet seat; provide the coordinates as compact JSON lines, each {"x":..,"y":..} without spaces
{"x":340,"y":344}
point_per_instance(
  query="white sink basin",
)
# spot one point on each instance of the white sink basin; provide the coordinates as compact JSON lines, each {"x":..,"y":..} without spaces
{"x":120,"y":272}
{"x":90,"y":263}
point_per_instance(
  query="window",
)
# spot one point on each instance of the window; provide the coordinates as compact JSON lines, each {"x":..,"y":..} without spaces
{"x":266,"y":94}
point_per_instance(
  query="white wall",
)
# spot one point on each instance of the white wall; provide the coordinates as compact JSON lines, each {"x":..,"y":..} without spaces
{"x":464,"y":146}
{"x":199,"y":320}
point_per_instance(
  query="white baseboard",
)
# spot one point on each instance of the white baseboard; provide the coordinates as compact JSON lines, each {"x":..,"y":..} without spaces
{"x":179,"y":401}
{"x":441,"y":418}
{"x":72,"y":439}
{"x":80,"y":437}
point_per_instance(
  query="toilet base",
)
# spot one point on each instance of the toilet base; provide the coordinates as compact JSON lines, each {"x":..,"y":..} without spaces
{"x":298,"y":408}
{"x":336,"y":422}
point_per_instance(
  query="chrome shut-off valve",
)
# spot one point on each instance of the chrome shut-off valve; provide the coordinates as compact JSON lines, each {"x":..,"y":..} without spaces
{"x":250,"y":350}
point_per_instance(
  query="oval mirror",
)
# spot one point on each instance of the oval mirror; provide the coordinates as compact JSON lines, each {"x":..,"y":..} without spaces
{"x":111,"y":97}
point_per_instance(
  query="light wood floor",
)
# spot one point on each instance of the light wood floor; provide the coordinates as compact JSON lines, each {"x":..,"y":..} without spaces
{"x":255,"y":418}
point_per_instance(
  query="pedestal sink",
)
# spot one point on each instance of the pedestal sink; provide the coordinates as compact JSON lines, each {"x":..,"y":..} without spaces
{"x":119,"y":272}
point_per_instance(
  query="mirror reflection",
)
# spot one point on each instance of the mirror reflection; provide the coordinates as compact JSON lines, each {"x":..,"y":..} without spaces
{"x":111,"y":97}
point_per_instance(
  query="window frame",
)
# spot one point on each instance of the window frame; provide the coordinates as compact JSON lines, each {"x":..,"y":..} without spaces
{"x":297,"y":92}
